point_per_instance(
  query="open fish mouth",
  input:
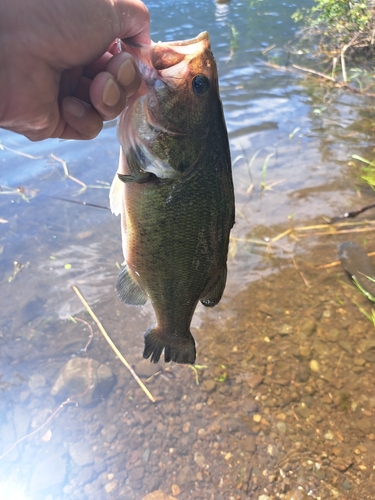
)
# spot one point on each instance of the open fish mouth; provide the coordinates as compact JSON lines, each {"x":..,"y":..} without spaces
{"x":199,"y":38}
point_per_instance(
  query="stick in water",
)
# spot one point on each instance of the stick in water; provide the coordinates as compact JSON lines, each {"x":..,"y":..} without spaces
{"x":110,"y":342}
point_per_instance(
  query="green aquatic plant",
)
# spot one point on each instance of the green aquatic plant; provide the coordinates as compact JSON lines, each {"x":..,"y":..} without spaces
{"x":223,"y":377}
{"x":195,"y":369}
{"x":293,"y":133}
{"x":264,"y":170}
{"x":233,"y":42}
{"x":253,"y":3}
{"x":370,"y":317}
{"x":345,"y":29}
{"x":338,"y":18}
{"x":364,"y":292}
{"x":344,"y":401}
{"x":367,"y":172}
{"x":249,"y":164}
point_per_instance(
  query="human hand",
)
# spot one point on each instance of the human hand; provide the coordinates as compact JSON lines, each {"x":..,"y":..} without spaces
{"x":60,"y":72}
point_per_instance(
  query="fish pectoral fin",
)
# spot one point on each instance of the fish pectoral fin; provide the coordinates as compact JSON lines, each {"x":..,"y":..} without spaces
{"x":140,"y":177}
{"x":215,"y":293}
{"x":128,"y":290}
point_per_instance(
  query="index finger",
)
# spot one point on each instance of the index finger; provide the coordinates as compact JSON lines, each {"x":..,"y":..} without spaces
{"x":96,"y":67}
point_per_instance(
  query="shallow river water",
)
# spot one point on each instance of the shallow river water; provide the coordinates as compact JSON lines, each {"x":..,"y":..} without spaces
{"x":281,"y":403}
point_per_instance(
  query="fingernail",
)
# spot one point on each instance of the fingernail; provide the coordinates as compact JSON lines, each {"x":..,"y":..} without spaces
{"x":74,"y":107}
{"x":126,"y":73}
{"x":111,"y":93}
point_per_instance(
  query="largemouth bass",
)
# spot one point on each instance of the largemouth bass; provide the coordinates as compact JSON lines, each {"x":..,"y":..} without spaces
{"x":174,"y":191}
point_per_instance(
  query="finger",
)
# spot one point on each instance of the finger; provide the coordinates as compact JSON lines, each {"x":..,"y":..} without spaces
{"x":134,"y":21}
{"x":91,"y":70}
{"x":123,"y":67}
{"x":82,"y":91}
{"x":107,"y":97}
{"x":78,"y":120}
{"x":110,"y":89}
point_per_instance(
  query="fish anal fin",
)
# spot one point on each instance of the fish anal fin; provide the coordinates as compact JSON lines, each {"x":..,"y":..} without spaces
{"x":128,"y":290}
{"x":214,"y":294}
{"x":179,"y":350}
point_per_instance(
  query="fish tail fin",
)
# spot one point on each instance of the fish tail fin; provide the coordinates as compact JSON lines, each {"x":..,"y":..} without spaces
{"x":181,"y":350}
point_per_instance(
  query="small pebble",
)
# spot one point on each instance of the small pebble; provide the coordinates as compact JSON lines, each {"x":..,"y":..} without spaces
{"x":365,"y":425}
{"x":281,"y":427}
{"x":314,"y":366}
{"x":304,"y":351}
{"x":175,"y":489}
{"x":109,"y":487}
{"x":199,"y":459}
{"x":186,"y":427}
{"x":332,"y":335}
{"x":266,"y":309}
{"x":346,"y":485}
{"x":208,"y":386}
{"x":254,"y":381}
{"x":359,"y":361}
{"x":329,"y":436}
{"x":308,"y":327}
{"x":285,"y":329}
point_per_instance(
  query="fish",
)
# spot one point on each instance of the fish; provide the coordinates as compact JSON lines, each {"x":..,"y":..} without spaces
{"x":174,"y":191}
{"x":358,"y":266}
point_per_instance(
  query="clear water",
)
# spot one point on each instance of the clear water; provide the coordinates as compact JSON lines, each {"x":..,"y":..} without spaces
{"x":195,"y":442}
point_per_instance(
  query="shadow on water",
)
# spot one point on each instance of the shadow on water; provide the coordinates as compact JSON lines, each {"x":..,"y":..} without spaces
{"x":280,"y":403}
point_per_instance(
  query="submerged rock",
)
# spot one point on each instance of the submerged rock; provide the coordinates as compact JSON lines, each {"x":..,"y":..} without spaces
{"x":158,"y":495}
{"x":85,"y":380}
{"x":49,"y":473}
{"x":81,"y":453}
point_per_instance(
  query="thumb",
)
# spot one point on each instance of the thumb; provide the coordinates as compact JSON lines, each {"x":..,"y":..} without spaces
{"x":133,"y":20}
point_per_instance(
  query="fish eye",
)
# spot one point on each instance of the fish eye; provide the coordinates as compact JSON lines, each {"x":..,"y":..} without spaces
{"x":201,"y":85}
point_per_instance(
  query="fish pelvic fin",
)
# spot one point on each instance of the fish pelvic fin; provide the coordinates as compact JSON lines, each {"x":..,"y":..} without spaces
{"x":128,"y":290}
{"x":181,"y":350}
{"x":214,"y":294}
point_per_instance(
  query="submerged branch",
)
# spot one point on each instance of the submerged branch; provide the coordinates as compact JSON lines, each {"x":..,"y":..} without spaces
{"x":313,"y":72}
{"x":320,"y":75}
{"x":114,"y":348}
